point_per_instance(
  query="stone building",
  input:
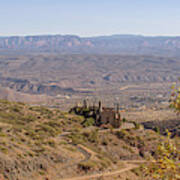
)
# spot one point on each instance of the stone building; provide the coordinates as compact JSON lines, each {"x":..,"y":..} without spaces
{"x":105,"y":115}
{"x":102,"y":115}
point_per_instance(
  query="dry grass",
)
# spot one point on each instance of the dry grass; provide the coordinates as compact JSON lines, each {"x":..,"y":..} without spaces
{"x":33,"y":137}
{"x":150,"y":115}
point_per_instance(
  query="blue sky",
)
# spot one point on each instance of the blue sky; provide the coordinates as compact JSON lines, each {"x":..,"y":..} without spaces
{"x":89,"y":17}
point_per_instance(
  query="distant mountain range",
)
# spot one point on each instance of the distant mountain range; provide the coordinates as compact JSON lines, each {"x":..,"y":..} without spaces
{"x":115,"y":44}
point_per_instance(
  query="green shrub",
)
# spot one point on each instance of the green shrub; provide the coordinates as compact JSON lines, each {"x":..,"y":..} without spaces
{"x":29,"y":118}
{"x":92,"y":136}
{"x":124,"y":120}
{"x":3,"y":149}
{"x":77,"y":138}
{"x":88,"y":122}
{"x":156,"y":129}
{"x":87,"y":165}
{"x":51,"y":143}
{"x":15,"y":108}
{"x":104,"y":142}
{"x":47,"y":130}
{"x":121,"y":134}
{"x":137,"y":125}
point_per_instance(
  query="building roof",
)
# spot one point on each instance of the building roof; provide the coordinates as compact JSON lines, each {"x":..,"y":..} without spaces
{"x":108,"y":109}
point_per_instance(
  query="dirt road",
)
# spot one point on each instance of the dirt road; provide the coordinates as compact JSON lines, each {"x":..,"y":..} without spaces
{"x":86,"y":151}
{"x":105,"y":174}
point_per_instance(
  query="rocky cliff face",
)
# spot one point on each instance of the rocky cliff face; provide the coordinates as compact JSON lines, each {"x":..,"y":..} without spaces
{"x":105,"y":44}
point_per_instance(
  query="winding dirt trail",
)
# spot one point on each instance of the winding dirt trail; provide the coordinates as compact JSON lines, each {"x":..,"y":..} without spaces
{"x":88,"y":153}
{"x":127,"y":87}
{"x":103,"y":174}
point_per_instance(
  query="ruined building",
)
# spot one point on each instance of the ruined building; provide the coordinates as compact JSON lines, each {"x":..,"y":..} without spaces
{"x":105,"y":115}
{"x":102,"y":115}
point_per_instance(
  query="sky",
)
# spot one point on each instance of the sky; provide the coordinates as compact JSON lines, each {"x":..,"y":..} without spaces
{"x":90,"y":17}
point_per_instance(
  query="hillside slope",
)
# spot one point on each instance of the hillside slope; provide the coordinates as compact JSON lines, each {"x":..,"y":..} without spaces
{"x":41,"y":143}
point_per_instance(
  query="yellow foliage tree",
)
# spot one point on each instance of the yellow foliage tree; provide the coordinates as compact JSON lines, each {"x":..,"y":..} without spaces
{"x":165,"y":164}
{"x":175,"y":98}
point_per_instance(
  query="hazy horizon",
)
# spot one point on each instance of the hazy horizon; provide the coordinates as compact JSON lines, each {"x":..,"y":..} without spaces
{"x":89,"y":18}
{"x":81,"y":36}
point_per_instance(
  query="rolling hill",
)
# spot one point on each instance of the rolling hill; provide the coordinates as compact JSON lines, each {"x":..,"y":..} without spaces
{"x":80,"y":75}
{"x":74,"y":67}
